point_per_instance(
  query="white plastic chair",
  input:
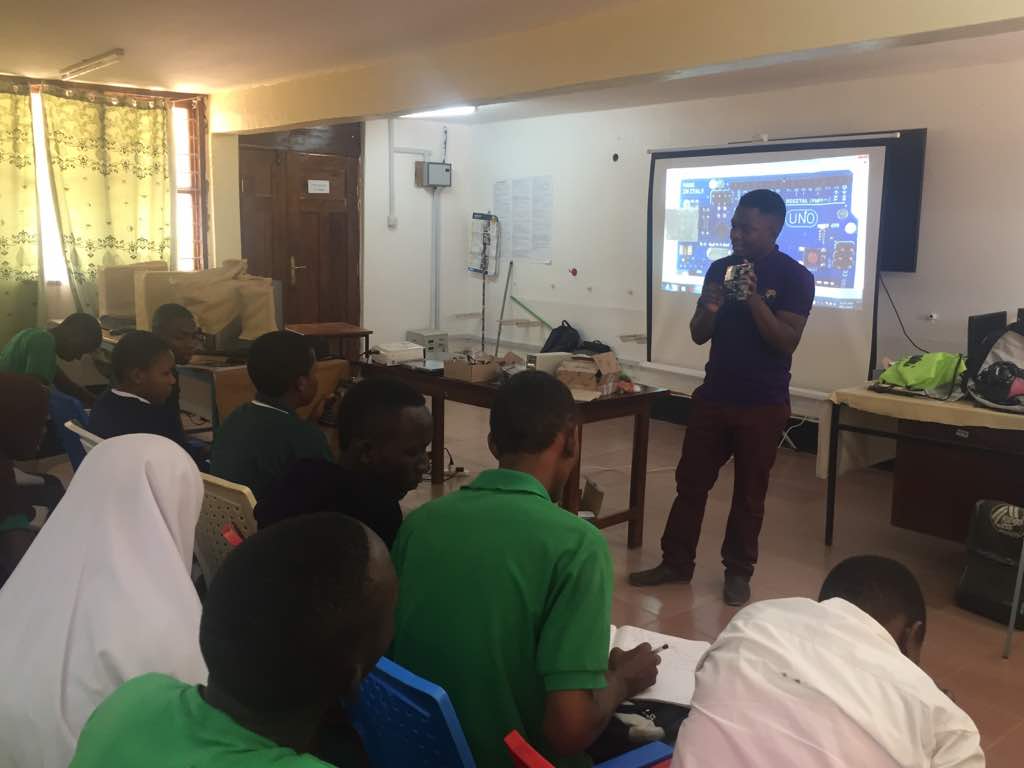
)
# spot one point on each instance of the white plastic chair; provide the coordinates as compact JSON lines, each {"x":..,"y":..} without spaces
{"x":87,"y":438}
{"x":225,"y":505}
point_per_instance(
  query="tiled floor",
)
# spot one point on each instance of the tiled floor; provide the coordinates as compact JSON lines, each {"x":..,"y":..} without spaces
{"x":962,"y":651}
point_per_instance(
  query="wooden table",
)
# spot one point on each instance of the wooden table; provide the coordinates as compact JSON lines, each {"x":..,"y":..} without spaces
{"x":963,"y":431}
{"x":333,"y":333}
{"x":636,"y":404}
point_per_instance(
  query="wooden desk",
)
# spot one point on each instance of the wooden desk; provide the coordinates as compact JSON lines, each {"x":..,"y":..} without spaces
{"x":949,"y":455}
{"x":636,"y":404}
{"x":334,"y":333}
{"x":230,"y":386}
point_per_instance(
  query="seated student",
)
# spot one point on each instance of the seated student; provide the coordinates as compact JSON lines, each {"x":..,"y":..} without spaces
{"x":175,"y":325}
{"x":384,"y":429}
{"x":259,"y":441}
{"x":280,"y":656}
{"x":23,"y":408}
{"x":505,"y":597}
{"x":831,"y":683}
{"x":143,"y":367}
{"x":101,"y":596}
{"x":34,"y":352}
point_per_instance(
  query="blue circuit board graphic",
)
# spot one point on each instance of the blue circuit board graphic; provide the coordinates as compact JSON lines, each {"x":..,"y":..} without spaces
{"x":821,"y":231}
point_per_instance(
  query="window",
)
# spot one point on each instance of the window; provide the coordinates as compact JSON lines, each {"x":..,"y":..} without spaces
{"x":187,"y":131}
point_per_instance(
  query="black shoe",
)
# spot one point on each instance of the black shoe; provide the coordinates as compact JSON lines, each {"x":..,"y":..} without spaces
{"x":660,"y":574}
{"x":737,"y":589}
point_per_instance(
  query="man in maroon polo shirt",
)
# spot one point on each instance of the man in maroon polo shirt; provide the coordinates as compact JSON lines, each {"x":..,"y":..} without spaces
{"x":743,"y":405}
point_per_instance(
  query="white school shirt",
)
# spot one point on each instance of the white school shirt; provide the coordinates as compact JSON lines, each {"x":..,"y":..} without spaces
{"x":804,"y":684}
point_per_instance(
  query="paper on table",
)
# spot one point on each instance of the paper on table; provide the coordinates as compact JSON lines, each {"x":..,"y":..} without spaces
{"x":678,"y":663}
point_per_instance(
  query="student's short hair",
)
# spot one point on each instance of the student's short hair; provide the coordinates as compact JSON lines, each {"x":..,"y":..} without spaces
{"x":766,"y":201}
{"x":283,"y":618}
{"x":85,"y":327}
{"x":529,"y":412}
{"x":883,"y":588}
{"x":169,"y":313}
{"x":277,"y":359}
{"x":136,"y":350}
{"x":368,"y":401}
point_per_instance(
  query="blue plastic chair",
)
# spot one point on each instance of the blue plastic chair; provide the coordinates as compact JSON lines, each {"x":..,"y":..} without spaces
{"x":406,"y":722}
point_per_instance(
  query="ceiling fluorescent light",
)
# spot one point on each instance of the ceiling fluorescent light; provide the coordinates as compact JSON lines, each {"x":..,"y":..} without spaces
{"x":445,"y":112}
{"x":86,"y":66}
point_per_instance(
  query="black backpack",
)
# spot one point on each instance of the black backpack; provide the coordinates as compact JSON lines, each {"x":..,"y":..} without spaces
{"x":1000,"y":365}
{"x":993,"y":548}
{"x":564,"y":338}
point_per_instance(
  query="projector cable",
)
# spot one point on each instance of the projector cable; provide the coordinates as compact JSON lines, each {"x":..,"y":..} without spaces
{"x":899,"y":319}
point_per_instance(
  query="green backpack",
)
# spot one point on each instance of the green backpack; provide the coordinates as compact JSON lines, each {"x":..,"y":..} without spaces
{"x":936,"y":375}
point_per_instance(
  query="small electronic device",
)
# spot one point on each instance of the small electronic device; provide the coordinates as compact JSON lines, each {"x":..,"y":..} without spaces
{"x":546,"y":361}
{"x":735,"y":286}
{"x":434,"y":342}
{"x":433,"y":174}
{"x":396,"y":352}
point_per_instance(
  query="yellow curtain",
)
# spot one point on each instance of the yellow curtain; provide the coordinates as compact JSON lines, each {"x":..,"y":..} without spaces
{"x":20,"y":288}
{"x":109,"y":162}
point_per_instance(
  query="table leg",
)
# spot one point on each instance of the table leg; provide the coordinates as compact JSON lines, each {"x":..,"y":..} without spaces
{"x":1014,"y":606}
{"x":571,"y":492}
{"x":437,"y":443}
{"x":638,"y":477}
{"x":833,"y":465}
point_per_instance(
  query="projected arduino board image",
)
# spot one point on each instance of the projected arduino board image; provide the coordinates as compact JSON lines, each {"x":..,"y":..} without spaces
{"x":826,"y":202}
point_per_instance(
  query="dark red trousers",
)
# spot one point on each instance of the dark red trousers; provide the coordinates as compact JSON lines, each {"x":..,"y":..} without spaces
{"x":714,"y":433}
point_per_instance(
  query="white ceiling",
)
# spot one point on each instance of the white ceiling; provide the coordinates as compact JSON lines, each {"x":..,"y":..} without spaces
{"x":819,"y":68}
{"x":203,"y":45}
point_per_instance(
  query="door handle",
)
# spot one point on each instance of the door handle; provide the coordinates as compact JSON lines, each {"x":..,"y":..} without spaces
{"x":295,"y":268}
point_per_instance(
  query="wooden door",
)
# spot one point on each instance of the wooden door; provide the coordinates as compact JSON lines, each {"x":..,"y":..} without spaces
{"x":262,"y":204}
{"x":300,"y":219}
{"x":322,"y":245}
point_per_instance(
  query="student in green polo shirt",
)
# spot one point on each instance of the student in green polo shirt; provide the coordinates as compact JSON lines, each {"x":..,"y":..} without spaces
{"x":505,"y":597}
{"x":296,"y":618}
{"x":259,"y":441}
{"x":34,"y":352}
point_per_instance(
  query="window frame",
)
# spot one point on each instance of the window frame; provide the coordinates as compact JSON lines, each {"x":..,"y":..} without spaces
{"x":199,"y":187}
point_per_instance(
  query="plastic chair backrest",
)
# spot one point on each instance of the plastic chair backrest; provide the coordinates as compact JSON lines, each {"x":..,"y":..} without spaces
{"x":81,"y":441}
{"x":653,"y":755}
{"x":405,"y":721}
{"x":226,"y":514}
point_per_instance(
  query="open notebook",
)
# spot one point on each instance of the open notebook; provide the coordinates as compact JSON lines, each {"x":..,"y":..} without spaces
{"x":678,"y":663}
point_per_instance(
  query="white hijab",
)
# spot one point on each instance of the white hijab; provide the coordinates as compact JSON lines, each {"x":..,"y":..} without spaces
{"x":101,"y":596}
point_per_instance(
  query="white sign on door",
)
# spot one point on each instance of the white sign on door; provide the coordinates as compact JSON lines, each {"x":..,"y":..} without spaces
{"x":318,"y":186}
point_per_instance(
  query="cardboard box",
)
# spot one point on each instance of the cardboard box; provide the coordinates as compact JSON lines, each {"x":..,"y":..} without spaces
{"x":471,"y":370}
{"x":594,"y":373}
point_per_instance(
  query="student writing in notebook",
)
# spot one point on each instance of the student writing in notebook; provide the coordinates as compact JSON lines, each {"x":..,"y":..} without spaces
{"x":298,"y":615}
{"x":143,"y":369}
{"x":505,"y":597}
{"x":34,"y":352}
{"x":828,"y":683}
{"x":259,"y":441}
{"x":384,"y":429}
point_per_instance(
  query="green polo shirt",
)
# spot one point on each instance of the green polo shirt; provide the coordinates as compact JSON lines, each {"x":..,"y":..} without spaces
{"x":504,"y":598}
{"x":158,"y":722}
{"x":258,"y":442}
{"x":32,"y":352}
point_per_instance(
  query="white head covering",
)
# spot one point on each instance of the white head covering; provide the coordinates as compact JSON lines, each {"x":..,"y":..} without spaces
{"x":101,"y":596}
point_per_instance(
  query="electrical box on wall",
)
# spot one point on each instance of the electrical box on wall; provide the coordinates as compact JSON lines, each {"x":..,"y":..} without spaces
{"x":433,"y":174}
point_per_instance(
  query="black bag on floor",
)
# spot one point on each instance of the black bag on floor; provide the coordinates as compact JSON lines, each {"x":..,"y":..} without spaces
{"x":564,"y":338}
{"x":993,"y":549}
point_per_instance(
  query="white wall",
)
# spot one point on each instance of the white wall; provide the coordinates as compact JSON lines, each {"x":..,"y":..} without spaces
{"x":969,"y":257}
{"x":225,"y":224}
{"x":396,"y":261}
